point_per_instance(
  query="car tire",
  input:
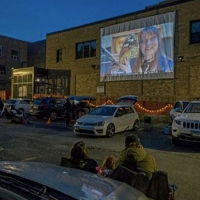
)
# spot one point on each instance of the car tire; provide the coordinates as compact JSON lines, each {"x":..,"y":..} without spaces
{"x":136,"y":125}
{"x":110,"y":131}
{"x":176,"y":142}
{"x":53,"y":115}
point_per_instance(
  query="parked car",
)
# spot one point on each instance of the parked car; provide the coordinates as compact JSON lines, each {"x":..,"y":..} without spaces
{"x":186,"y":126}
{"x":107,"y":120}
{"x":19,"y":103}
{"x":33,"y":180}
{"x":48,"y":107}
{"x":178,"y":108}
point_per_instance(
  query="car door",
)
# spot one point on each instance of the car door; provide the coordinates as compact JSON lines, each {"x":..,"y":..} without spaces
{"x":25,"y":105}
{"x":120,"y":123}
{"x":130,"y":116}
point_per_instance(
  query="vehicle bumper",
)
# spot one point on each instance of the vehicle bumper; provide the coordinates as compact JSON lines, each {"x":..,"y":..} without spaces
{"x":89,"y":130}
{"x":186,"y":135}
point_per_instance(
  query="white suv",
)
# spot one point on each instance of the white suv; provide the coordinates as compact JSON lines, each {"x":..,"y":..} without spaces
{"x":186,"y":126}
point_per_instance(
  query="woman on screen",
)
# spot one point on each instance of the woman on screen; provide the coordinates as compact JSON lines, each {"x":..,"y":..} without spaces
{"x":150,"y":58}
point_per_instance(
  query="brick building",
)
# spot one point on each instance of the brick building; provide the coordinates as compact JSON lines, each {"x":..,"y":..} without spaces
{"x":13,"y":53}
{"x":79,"y":51}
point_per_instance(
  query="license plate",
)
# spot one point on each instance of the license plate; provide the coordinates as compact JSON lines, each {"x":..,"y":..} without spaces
{"x":195,"y":133}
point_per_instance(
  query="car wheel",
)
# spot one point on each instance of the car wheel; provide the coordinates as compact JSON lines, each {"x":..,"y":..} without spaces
{"x":110,"y":131}
{"x":53,"y":115}
{"x":176,"y":142}
{"x":136,"y":125}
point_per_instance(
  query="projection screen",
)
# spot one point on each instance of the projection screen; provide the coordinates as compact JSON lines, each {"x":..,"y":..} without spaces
{"x":138,"y":49}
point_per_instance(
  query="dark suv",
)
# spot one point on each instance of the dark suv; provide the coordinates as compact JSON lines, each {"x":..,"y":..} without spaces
{"x":48,"y":107}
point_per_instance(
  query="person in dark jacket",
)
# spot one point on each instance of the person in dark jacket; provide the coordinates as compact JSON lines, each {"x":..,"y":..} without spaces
{"x":68,"y":109}
{"x":79,"y":159}
{"x":135,"y":157}
{"x":1,"y":104}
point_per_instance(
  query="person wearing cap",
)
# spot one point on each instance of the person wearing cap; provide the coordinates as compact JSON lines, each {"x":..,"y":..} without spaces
{"x":135,"y":158}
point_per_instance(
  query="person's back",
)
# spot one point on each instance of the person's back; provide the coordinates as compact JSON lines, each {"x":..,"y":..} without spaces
{"x":108,"y":166}
{"x":79,"y":159}
{"x":135,"y":157}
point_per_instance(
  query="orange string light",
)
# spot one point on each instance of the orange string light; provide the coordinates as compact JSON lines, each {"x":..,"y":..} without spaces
{"x":109,"y":102}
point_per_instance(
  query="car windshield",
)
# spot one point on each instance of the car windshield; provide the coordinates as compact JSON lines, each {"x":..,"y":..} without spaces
{"x":103,"y":110}
{"x":185,"y":104}
{"x":193,"y":108}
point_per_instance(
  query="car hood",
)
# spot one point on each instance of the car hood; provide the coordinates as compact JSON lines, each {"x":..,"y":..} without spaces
{"x":76,"y":183}
{"x":93,"y":118}
{"x":189,"y":116}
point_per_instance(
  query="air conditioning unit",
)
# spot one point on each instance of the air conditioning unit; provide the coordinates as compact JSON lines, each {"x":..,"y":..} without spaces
{"x":14,"y":57}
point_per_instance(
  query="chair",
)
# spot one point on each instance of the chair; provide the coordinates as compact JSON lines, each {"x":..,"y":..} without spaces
{"x":148,"y":126}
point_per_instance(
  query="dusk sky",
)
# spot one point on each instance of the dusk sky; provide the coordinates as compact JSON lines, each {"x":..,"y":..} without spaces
{"x":31,"y":20}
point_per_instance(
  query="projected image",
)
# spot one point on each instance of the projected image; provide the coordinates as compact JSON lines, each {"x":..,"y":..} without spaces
{"x":141,"y":53}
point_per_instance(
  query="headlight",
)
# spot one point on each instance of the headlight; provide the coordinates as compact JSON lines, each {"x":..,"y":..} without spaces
{"x":178,"y":122}
{"x":100,"y":123}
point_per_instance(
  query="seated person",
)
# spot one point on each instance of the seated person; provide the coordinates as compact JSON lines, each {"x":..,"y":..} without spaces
{"x":79,"y":158}
{"x":135,"y":157}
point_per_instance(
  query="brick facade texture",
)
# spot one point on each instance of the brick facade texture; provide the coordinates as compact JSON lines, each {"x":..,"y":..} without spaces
{"x":153,"y":93}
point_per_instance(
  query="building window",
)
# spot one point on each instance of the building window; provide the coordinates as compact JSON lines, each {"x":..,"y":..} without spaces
{"x":195,"y":32}
{"x":0,"y":50}
{"x":2,"y":70}
{"x":86,"y":49}
{"x":59,"y":55}
{"x":14,"y":55}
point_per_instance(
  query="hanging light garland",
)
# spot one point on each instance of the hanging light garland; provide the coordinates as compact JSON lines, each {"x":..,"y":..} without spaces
{"x":139,"y":107}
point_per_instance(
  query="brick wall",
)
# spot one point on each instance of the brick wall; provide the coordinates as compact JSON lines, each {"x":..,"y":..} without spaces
{"x":85,"y":80}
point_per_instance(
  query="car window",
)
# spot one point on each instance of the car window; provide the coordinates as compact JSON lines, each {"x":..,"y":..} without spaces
{"x":121,"y":111}
{"x":38,"y":101}
{"x":185,"y":104}
{"x":23,"y":102}
{"x":193,"y":108}
{"x":128,"y":110}
{"x":11,"y":101}
{"x":105,"y":111}
{"x":59,"y":101}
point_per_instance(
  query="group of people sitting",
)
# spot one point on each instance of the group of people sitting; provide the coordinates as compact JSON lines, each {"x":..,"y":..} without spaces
{"x":15,"y":115}
{"x":134,"y":167}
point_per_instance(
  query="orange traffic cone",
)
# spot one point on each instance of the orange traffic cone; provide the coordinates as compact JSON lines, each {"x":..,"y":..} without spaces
{"x":49,"y":120}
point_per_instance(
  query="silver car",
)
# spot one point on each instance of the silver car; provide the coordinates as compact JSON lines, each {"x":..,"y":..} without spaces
{"x":107,"y":120}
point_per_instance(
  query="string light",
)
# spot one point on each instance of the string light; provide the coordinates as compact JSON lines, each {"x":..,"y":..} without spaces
{"x":138,"y":106}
